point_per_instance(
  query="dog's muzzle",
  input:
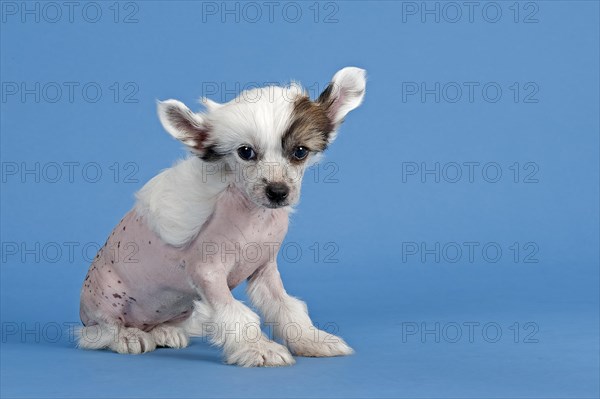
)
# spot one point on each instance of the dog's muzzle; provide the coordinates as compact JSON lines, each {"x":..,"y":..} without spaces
{"x":277,"y":193}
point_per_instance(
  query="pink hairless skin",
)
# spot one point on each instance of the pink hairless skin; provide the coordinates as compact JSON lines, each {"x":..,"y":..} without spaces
{"x":213,"y":220}
{"x":142,"y":282}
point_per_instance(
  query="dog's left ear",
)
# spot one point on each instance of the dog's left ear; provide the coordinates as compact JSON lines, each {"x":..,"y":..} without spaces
{"x":180,"y":122}
{"x":345,"y":92}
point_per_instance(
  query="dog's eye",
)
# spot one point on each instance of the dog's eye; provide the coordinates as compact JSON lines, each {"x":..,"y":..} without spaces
{"x":246,"y":153}
{"x":300,"y":153}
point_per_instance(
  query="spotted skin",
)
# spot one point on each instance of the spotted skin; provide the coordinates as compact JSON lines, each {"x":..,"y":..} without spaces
{"x":137,"y":280}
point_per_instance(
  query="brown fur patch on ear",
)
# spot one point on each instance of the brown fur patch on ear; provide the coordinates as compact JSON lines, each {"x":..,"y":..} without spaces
{"x":325,"y":98}
{"x":310,"y":126}
{"x":184,"y":122}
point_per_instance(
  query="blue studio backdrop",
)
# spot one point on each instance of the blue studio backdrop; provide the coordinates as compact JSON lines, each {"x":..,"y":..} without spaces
{"x":450,"y":234}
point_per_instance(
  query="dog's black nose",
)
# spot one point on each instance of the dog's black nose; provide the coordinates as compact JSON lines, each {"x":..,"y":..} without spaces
{"x":277,"y":192}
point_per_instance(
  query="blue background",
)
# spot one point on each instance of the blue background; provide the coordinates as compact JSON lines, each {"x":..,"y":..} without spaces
{"x":360,"y":209}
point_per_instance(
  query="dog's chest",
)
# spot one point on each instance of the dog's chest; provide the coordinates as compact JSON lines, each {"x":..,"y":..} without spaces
{"x":241,"y":236}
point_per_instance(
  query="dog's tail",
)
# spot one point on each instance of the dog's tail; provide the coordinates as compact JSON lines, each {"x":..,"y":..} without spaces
{"x":96,"y":337}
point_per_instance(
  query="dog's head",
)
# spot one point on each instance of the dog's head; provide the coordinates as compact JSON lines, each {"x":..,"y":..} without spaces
{"x":264,"y":139}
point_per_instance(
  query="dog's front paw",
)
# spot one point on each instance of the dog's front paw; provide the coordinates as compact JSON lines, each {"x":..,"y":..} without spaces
{"x":321,"y":344}
{"x":170,"y":336}
{"x":263,"y":353}
{"x":133,"y":341}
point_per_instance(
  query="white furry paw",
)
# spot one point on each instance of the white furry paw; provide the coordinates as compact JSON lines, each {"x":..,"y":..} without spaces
{"x":263,"y":353}
{"x":170,"y":336}
{"x":133,"y":341}
{"x":321,"y":344}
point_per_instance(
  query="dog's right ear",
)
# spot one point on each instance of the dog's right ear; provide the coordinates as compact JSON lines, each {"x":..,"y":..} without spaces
{"x":189,"y":128}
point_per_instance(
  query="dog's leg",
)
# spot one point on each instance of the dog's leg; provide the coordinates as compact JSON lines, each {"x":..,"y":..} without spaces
{"x":289,"y":317}
{"x":170,"y":336}
{"x":230,"y":324}
{"x":115,"y":337}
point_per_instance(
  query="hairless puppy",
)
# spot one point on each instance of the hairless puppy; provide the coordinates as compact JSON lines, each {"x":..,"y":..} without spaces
{"x":213,"y":220}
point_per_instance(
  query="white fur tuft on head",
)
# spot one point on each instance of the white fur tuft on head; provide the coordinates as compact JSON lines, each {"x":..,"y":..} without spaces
{"x":271,"y":124}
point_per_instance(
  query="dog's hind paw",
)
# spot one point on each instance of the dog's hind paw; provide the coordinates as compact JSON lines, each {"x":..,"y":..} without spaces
{"x":133,"y":341}
{"x":170,"y":336}
{"x":263,"y":353}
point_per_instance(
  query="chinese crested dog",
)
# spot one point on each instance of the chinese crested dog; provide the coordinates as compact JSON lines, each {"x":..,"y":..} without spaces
{"x":167,"y":270}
